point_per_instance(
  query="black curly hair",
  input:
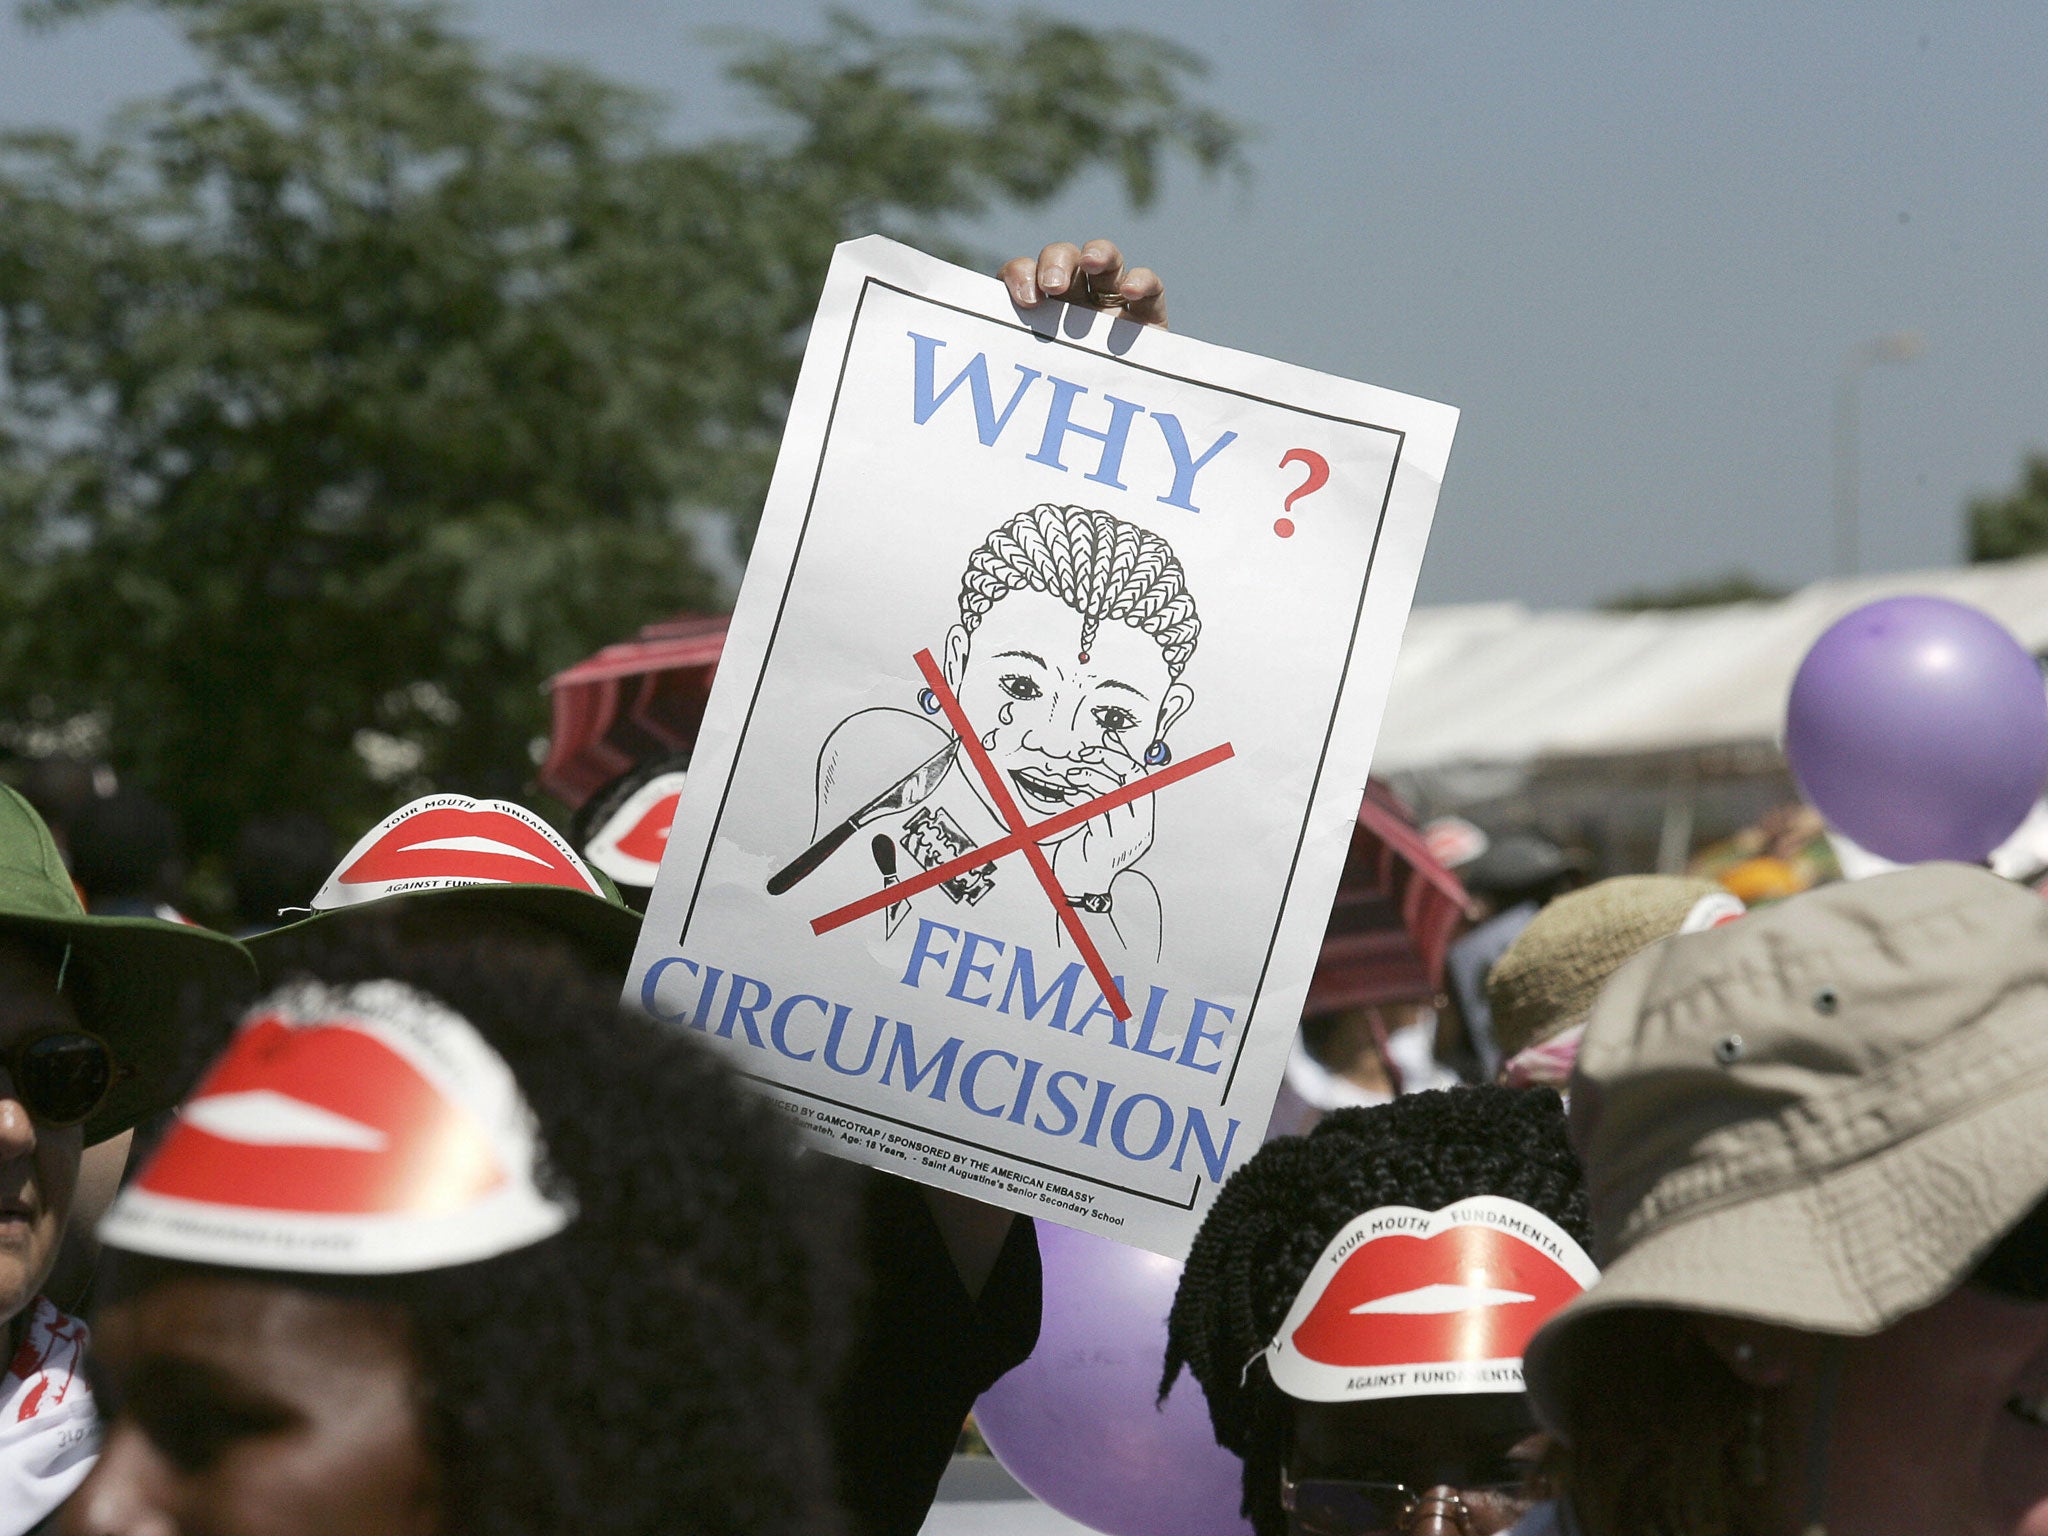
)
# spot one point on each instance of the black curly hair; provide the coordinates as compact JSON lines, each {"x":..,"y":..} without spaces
{"x":1277,"y":1215}
{"x":658,"y":1365}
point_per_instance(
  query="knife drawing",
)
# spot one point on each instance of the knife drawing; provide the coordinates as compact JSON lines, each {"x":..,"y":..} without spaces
{"x":905,"y":793}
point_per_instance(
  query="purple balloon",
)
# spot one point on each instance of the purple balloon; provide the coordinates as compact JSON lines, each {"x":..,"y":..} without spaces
{"x":1919,"y":727}
{"x":1076,"y":1425}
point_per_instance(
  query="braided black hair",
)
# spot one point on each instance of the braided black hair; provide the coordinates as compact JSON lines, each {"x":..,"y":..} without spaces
{"x":658,"y":1365}
{"x":1098,"y":565}
{"x":1277,"y":1215}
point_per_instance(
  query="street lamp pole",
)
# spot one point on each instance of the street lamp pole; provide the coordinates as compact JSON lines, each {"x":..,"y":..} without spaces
{"x":1898,"y":347}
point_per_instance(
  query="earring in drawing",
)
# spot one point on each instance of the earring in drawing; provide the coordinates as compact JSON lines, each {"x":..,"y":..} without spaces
{"x":1159,"y":754}
{"x":928,"y":701}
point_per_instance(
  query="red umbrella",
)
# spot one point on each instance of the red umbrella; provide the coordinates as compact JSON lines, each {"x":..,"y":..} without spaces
{"x":630,"y":703}
{"x":1396,"y":913}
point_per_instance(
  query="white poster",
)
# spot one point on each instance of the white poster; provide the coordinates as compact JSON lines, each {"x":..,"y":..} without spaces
{"x":1012,"y":830}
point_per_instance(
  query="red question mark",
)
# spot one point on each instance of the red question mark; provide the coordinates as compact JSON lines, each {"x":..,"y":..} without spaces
{"x":1318,"y":477}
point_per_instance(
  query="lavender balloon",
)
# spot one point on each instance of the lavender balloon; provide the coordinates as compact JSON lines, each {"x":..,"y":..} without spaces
{"x":1919,"y":727}
{"x":1076,"y":1425}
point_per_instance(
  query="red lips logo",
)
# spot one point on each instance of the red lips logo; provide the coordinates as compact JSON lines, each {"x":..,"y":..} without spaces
{"x":453,"y":841}
{"x":360,"y":1130}
{"x":647,"y":838}
{"x":630,"y":844}
{"x":324,"y":1119}
{"x":1467,"y":1293}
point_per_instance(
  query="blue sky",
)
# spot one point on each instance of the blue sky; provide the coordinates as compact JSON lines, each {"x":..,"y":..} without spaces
{"x":1634,"y":244}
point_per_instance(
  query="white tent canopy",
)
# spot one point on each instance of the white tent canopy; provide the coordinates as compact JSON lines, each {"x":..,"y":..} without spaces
{"x":1502,"y":686}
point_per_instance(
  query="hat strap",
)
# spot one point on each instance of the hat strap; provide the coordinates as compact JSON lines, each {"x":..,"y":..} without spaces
{"x":1819,"y":1434}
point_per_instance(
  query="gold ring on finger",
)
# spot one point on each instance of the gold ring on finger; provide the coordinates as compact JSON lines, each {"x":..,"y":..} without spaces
{"x":1110,"y":300}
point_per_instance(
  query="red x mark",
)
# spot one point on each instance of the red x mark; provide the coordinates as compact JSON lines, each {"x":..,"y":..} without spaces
{"x":1022,"y":837}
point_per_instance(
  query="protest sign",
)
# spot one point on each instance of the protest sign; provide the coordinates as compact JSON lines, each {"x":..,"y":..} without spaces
{"x":1012,"y":830}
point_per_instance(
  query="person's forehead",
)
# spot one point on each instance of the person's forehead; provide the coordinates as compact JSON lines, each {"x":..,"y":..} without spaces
{"x":1387,"y":1436}
{"x":29,"y":998}
{"x":253,"y":1327}
{"x":1971,"y":1330}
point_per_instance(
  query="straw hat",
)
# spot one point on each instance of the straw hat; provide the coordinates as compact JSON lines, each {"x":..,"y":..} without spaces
{"x":1547,"y":980}
{"x":1819,"y":1117}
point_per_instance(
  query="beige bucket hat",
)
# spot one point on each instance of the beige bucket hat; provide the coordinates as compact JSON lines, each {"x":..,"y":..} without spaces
{"x":1820,"y":1117}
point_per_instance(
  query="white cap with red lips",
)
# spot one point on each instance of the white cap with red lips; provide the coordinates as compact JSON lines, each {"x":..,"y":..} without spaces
{"x":630,"y":843}
{"x":361,"y":1130}
{"x":443,"y":842}
{"x":1410,"y":1303}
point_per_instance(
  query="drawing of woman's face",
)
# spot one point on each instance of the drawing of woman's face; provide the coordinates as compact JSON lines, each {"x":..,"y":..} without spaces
{"x":1044,"y":714}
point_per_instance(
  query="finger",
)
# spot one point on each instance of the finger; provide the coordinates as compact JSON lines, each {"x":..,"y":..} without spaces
{"x":1094,"y":781}
{"x":1020,"y":276}
{"x":1119,"y":758}
{"x":1102,"y":265}
{"x":1059,"y":266}
{"x":1109,"y":753}
{"x":1144,"y":297}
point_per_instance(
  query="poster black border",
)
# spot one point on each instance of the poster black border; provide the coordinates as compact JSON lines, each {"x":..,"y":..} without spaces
{"x":1051,"y":337}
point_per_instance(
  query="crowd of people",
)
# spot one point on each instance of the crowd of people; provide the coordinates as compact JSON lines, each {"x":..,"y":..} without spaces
{"x":388,"y":1217}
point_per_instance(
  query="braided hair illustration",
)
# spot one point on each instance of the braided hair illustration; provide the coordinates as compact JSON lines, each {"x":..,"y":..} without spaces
{"x":1276,"y":1216}
{"x":1099,"y":565}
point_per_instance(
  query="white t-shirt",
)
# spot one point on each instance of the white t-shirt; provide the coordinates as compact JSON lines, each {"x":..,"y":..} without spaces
{"x":49,"y":1433}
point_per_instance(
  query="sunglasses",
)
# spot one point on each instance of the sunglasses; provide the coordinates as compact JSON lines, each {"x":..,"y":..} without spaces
{"x":1345,"y":1507}
{"x":60,"y":1077}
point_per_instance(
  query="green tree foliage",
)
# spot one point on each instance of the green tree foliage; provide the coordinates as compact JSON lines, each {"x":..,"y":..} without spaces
{"x":363,"y":381}
{"x":2004,"y":527}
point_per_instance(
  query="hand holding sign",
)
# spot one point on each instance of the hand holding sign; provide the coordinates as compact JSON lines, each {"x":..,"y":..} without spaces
{"x":1093,"y":274}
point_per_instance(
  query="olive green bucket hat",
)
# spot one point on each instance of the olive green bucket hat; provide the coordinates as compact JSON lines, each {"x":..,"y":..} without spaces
{"x":449,"y":853}
{"x":1821,"y":1117}
{"x":141,"y":984}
